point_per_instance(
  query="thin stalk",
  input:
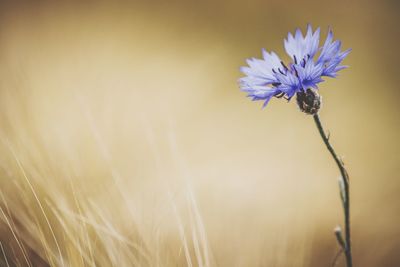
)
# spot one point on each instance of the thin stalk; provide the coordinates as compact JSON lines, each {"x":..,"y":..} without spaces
{"x":346,"y":190}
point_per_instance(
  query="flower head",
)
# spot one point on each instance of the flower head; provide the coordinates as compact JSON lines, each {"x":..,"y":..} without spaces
{"x":271,"y":77}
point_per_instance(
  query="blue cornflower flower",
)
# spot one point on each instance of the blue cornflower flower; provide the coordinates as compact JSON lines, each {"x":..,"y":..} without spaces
{"x":269,"y":77}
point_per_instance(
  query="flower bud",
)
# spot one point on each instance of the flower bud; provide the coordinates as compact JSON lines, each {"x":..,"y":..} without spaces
{"x":309,"y":101}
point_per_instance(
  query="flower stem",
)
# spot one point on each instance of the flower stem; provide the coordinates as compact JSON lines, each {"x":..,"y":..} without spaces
{"x":345,"y":192}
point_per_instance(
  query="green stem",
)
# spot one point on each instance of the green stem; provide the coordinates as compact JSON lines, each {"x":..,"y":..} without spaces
{"x":346,"y":201}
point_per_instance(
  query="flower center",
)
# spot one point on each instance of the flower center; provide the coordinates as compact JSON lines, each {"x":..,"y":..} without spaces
{"x":309,"y":101}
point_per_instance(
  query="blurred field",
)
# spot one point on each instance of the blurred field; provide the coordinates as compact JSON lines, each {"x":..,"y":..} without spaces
{"x":125,"y":141}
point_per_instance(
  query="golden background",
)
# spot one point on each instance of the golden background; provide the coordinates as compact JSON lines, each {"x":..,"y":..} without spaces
{"x":125,"y":141}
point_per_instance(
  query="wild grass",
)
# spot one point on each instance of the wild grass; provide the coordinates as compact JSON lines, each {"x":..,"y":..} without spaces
{"x":53,"y":223}
{"x":50,"y":216}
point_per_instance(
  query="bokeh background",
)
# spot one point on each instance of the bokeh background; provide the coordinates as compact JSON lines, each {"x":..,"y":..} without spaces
{"x":125,"y":140}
